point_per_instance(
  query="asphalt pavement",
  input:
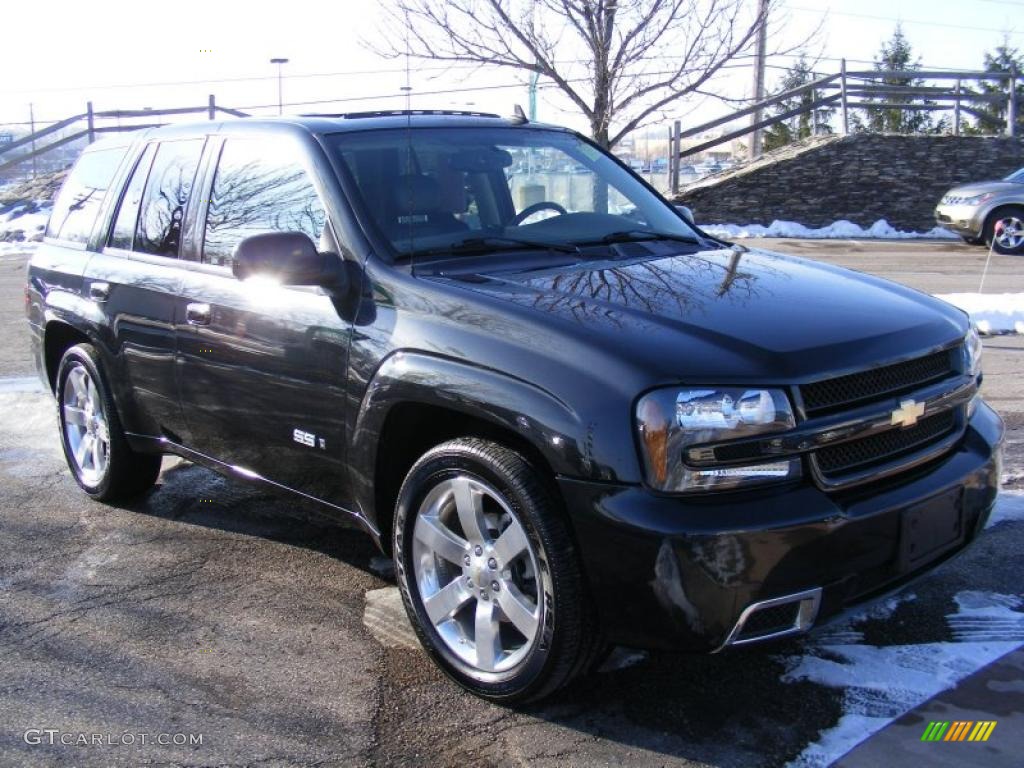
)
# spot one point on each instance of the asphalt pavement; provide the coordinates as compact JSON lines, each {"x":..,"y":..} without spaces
{"x":213,"y":624}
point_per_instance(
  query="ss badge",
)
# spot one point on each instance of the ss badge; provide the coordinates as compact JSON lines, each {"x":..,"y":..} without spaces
{"x":308,"y":438}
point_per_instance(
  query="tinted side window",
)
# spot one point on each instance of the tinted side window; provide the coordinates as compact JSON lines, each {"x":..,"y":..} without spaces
{"x":128,"y":213}
{"x":259,"y":187}
{"x":167,"y":190}
{"x":78,"y":204}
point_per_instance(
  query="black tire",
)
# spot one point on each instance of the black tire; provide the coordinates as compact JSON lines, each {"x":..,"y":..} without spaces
{"x":567,"y":640}
{"x":126,"y":473}
{"x":1005,"y":213}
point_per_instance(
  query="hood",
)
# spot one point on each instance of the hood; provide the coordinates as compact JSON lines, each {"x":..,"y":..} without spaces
{"x":981,"y":187}
{"x":730,"y":314}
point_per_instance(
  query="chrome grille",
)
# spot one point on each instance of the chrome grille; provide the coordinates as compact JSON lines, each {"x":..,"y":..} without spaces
{"x":956,"y":199}
{"x":881,"y":454}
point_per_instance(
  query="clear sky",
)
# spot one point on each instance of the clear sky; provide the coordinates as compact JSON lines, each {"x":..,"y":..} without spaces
{"x":122,"y":54}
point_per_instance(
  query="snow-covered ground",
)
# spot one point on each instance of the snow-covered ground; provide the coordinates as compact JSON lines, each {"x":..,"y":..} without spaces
{"x":992,"y":312}
{"x":838,"y":230}
{"x":18,"y":227}
{"x":881,"y":683}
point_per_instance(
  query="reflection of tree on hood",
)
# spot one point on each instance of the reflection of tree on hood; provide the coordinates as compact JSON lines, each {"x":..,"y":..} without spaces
{"x":678,"y":285}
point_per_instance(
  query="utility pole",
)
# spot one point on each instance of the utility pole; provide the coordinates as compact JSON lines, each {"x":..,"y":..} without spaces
{"x":956,"y":111}
{"x":32,"y":131}
{"x":756,"y":137}
{"x":843,"y":99}
{"x":280,"y":97}
{"x":90,"y":122}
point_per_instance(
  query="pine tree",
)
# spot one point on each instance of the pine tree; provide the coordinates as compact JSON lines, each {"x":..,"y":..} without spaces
{"x":897,"y":55}
{"x":801,"y":126}
{"x":993,"y":115}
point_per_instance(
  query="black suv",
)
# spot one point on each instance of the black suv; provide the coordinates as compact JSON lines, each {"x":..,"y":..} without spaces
{"x":572,"y":418}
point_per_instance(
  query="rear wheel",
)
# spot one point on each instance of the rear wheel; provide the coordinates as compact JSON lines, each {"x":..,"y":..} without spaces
{"x":489,"y":574}
{"x":1004,"y":230}
{"x":100,"y":459}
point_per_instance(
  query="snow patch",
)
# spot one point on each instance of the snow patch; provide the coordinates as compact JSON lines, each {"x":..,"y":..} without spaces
{"x":837,"y":741}
{"x":22,"y":226}
{"x":880,"y":684}
{"x":841,"y":230}
{"x":20,"y":249}
{"x":1009,"y":507}
{"x":991,"y":312}
{"x":843,"y":631}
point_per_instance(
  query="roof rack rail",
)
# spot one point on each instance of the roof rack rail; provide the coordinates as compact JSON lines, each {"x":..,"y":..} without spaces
{"x":401,"y":112}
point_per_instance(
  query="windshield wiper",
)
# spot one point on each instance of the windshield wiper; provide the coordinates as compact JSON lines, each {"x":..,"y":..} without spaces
{"x":640,"y":235}
{"x":487,"y":243}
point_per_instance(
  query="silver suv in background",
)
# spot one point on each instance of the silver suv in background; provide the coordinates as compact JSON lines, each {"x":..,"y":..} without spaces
{"x":986,"y":213}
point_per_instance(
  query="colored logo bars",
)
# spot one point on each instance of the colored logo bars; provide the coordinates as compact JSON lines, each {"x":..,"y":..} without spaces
{"x":959,"y":730}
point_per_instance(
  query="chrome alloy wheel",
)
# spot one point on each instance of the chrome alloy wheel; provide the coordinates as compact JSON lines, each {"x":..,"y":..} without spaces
{"x":1010,"y":232}
{"x":85,"y":426}
{"x":477,"y":575}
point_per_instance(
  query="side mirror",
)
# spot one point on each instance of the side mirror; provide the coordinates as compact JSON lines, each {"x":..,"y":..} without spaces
{"x":290,"y":257}
{"x":686,"y":213}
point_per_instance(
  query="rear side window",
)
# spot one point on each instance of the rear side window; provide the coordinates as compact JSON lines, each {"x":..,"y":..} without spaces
{"x":78,"y":204}
{"x":259,"y":187}
{"x":167,"y":191}
{"x":128,"y":213}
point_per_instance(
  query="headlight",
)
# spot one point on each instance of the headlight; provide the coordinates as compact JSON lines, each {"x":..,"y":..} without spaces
{"x":671,"y":420}
{"x":978,"y":199}
{"x":972,"y":352}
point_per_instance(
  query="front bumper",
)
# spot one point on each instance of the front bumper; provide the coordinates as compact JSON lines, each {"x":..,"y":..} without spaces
{"x":675,"y":572}
{"x":964,"y":220}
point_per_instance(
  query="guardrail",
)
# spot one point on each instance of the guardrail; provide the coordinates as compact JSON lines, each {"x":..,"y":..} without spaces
{"x":90,"y":118}
{"x":860,"y":89}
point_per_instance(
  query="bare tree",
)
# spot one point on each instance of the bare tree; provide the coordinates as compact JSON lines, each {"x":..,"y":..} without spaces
{"x":637,"y":56}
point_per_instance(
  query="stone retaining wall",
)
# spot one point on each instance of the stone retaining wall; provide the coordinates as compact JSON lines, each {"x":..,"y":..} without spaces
{"x":861,"y":177}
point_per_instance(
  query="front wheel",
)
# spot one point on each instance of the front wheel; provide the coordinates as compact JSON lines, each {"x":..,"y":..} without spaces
{"x":98,"y":455}
{"x":1004,"y":230}
{"x":489,"y":574}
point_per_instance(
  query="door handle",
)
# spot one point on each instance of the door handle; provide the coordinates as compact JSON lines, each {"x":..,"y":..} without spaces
{"x":197,"y":314}
{"x":99,"y":291}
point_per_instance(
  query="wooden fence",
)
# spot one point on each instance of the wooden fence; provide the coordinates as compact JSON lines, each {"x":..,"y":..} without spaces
{"x":864,"y":89}
{"x":91,"y":123}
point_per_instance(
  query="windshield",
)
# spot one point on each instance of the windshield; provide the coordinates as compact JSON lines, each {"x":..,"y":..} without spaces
{"x":1017,"y":176}
{"x":437,"y":191}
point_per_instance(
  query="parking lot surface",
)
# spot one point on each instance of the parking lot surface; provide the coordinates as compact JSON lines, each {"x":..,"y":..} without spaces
{"x":211,"y":609}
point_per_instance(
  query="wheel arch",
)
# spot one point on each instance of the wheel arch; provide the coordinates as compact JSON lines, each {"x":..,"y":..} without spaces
{"x":58,"y":337}
{"x":412,"y":428}
{"x":417,"y":401}
{"x":994,"y":213}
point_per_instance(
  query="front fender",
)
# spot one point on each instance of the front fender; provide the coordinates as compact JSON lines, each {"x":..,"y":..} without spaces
{"x":538,"y":417}
{"x":982,"y":214}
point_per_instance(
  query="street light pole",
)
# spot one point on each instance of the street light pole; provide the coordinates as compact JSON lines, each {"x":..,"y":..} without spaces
{"x":280,"y":98}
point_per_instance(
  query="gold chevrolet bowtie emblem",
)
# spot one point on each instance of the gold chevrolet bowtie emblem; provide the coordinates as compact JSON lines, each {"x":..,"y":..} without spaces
{"x":907,"y":414}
